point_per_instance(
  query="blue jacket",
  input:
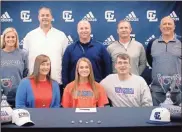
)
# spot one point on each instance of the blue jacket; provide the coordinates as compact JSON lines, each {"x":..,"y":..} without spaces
{"x":95,"y":52}
{"x":25,"y":97}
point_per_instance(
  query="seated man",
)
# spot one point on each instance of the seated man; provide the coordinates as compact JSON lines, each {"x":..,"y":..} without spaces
{"x":125,"y":89}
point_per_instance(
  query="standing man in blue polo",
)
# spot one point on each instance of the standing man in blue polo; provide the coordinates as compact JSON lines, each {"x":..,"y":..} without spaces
{"x":89,"y":48}
{"x":164,"y":56}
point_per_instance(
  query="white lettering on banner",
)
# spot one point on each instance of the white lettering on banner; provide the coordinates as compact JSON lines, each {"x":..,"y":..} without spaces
{"x":25,"y":16}
{"x":70,"y":40}
{"x":151,"y":16}
{"x":131,"y":17}
{"x":6,"y":17}
{"x":89,"y":17}
{"x":109,"y":40}
{"x":149,"y":39}
{"x":67,"y":16}
{"x":109,"y":16}
{"x":174,"y":16}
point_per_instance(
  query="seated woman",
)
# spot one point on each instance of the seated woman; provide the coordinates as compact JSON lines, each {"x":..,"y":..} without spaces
{"x":14,"y":64}
{"x":84,"y":92}
{"x":39,"y":90}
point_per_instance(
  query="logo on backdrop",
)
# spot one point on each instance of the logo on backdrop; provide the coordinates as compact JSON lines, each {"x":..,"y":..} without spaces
{"x":174,"y":16}
{"x":148,"y":40}
{"x":70,"y":40}
{"x":132,"y":36}
{"x":109,"y":40}
{"x":67,"y":16}
{"x":131,"y":17}
{"x":89,"y":17}
{"x":151,"y":16}
{"x":109,"y":16}
{"x":25,"y":16}
{"x":21,"y":44}
{"x":6,"y":17}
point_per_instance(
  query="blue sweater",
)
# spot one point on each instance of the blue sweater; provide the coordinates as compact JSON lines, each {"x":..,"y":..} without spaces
{"x":25,"y":96}
{"x":94,"y":51}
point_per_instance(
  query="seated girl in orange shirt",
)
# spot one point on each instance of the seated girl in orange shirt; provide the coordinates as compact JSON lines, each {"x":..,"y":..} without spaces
{"x":84,"y":92}
{"x":39,"y":90}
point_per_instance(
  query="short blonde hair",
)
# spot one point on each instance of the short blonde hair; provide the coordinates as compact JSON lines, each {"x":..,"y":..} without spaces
{"x":7,"y":30}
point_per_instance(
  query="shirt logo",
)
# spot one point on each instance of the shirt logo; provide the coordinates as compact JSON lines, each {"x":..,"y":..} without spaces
{"x":124,"y":90}
{"x":85,"y":93}
{"x":6,"y":82}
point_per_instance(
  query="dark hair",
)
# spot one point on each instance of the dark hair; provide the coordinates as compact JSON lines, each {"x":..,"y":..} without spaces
{"x":45,"y":8}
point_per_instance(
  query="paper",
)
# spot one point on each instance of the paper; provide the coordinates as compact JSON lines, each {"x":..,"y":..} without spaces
{"x":86,"y":110}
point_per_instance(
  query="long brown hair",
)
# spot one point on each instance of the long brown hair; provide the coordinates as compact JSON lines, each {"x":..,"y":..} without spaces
{"x":90,"y":78}
{"x":38,"y":61}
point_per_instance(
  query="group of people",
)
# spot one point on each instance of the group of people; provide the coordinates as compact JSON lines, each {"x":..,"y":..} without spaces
{"x":49,"y":73}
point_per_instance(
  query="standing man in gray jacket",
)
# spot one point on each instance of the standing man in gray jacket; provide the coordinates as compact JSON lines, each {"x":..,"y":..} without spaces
{"x":164,"y":56}
{"x":129,"y":46}
{"x":125,"y":89}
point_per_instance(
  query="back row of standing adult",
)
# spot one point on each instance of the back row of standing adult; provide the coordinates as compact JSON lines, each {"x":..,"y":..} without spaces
{"x":47,"y":40}
{"x":52,"y":42}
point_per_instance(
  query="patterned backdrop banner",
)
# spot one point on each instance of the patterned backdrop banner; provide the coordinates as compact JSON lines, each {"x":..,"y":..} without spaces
{"x":103,"y":15}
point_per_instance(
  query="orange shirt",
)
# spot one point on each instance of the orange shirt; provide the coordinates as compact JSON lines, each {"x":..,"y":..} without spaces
{"x":42,"y":94}
{"x":85,"y":96}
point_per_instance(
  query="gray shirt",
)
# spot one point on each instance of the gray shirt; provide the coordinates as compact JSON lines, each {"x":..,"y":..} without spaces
{"x":133,"y":92}
{"x":13,"y":69}
{"x":166,"y":64}
{"x":136,"y":52}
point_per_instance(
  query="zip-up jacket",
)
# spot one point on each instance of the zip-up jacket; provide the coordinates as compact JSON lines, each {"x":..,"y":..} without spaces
{"x":165,"y":60}
{"x":94,"y":51}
